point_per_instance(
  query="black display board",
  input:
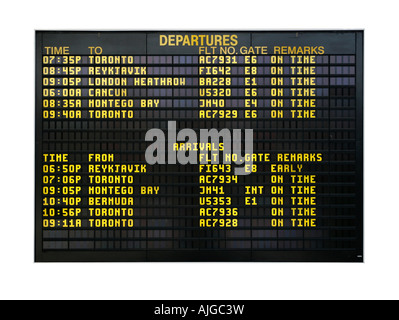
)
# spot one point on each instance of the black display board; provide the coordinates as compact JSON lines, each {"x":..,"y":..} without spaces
{"x":139,"y":137}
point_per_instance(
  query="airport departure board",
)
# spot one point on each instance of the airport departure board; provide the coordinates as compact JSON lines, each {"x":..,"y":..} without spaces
{"x":199,"y":146}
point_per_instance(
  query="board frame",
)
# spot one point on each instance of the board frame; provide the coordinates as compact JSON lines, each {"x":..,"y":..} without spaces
{"x":203,"y":255}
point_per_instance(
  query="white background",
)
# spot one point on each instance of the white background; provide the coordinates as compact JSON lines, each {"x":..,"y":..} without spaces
{"x":21,"y":278}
